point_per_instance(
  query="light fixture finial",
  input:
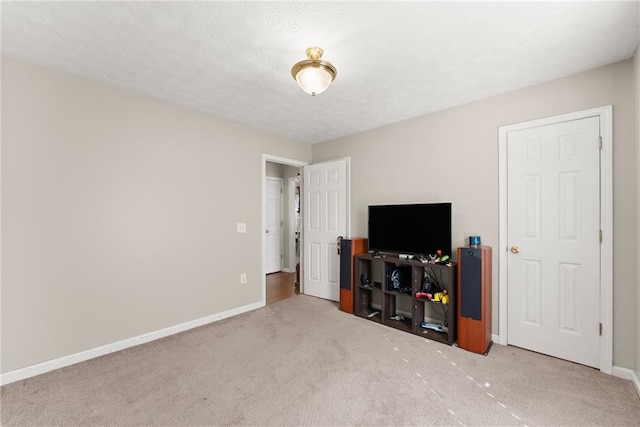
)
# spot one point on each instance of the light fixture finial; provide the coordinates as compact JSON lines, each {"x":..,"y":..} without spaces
{"x":314,"y":53}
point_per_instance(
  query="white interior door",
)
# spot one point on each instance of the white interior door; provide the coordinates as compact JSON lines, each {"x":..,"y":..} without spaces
{"x":553,"y":235}
{"x":325,"y":218}
{"x":273,"y":261}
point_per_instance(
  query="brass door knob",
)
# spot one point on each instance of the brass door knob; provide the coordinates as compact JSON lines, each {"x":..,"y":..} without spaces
{"x":515,"y":250}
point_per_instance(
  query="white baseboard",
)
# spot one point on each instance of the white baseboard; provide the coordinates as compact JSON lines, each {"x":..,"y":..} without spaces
{"x":288,"y":270}
{"x":624,"y":373}
{"x":635,"y":379}
{"x":628,"y":374}
{"x":61,"y":362}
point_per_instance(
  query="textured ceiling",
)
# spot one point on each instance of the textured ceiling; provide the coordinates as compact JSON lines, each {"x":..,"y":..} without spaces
{"x":395,"y":60}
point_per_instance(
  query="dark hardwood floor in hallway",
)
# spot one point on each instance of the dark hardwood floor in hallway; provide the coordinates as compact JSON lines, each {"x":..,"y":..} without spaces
{"x":280,"y":286}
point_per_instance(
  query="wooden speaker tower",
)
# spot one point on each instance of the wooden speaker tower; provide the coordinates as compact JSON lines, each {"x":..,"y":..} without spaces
{"x":474,"y":299}
{"x":348,"y":249}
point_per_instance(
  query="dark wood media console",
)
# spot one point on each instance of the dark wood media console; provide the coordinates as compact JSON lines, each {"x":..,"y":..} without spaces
{"x":392,"y":300}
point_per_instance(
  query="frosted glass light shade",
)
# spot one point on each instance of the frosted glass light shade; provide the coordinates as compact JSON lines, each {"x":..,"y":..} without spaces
{"x":314,"y":80}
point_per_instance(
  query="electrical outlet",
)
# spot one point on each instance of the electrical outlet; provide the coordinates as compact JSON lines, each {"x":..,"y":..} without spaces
{"x":243,"y":278}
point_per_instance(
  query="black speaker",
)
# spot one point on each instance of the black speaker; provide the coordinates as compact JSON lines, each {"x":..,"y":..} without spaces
{"x":470,"y":283}
{"x":474,"y":299}
{"x":348,"y":249}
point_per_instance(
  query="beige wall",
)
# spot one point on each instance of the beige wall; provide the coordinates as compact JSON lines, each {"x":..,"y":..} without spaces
{"x":274,"y":170}
{"x":116,"y":218}
{"x":452,"y":156}
{"x":119,"y":214}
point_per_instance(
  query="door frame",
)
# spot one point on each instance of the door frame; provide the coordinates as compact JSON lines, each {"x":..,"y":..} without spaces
{"x":605,"y":114}
{"x":284,"y":161}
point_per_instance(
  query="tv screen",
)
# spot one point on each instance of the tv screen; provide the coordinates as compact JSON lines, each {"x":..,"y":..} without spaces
{"x":410,"y":229}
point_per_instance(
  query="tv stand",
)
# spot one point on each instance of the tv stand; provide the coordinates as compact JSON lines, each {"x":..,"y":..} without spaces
{"x":385,"y":299}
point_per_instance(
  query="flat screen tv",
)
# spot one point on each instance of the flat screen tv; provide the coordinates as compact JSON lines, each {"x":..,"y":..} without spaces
{"x":415,"y":229}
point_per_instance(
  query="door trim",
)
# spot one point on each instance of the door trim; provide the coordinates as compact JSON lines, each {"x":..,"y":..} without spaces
{"x":605,"y":114}
{"x":274,"y":159}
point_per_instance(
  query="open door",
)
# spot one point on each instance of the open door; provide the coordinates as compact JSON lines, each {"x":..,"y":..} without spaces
{"x":325,"y":220}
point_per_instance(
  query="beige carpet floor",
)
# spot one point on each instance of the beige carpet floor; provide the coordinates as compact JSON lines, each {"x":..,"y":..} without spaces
{"x":301,"y":361}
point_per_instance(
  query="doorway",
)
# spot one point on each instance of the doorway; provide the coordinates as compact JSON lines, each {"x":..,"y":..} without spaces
{"x":279,"y":283}
{"x":325,"y":190}
{"x":555,"y":251}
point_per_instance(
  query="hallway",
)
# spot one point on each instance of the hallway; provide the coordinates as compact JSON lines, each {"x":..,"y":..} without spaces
{"x":280,"y":286}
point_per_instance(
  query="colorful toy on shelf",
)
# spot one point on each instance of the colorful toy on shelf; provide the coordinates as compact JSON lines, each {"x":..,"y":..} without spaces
{"x":445,"y":297}
{"x":424,"y":295}
{"x":438,"y":258}
{"x":441,"y":297}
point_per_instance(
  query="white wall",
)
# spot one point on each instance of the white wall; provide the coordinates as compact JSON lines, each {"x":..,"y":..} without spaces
{"x":119,"y":214}
{"x":452,"y":156}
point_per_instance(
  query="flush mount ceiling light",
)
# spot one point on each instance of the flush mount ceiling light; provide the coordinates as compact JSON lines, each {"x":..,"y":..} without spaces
{"x":314,"y":75}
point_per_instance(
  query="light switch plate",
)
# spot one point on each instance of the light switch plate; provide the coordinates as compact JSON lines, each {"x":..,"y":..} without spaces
{"x":241,"y":227}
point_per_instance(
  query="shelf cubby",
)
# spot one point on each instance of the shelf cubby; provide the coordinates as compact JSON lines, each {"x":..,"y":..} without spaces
{"x":366,"y":293}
